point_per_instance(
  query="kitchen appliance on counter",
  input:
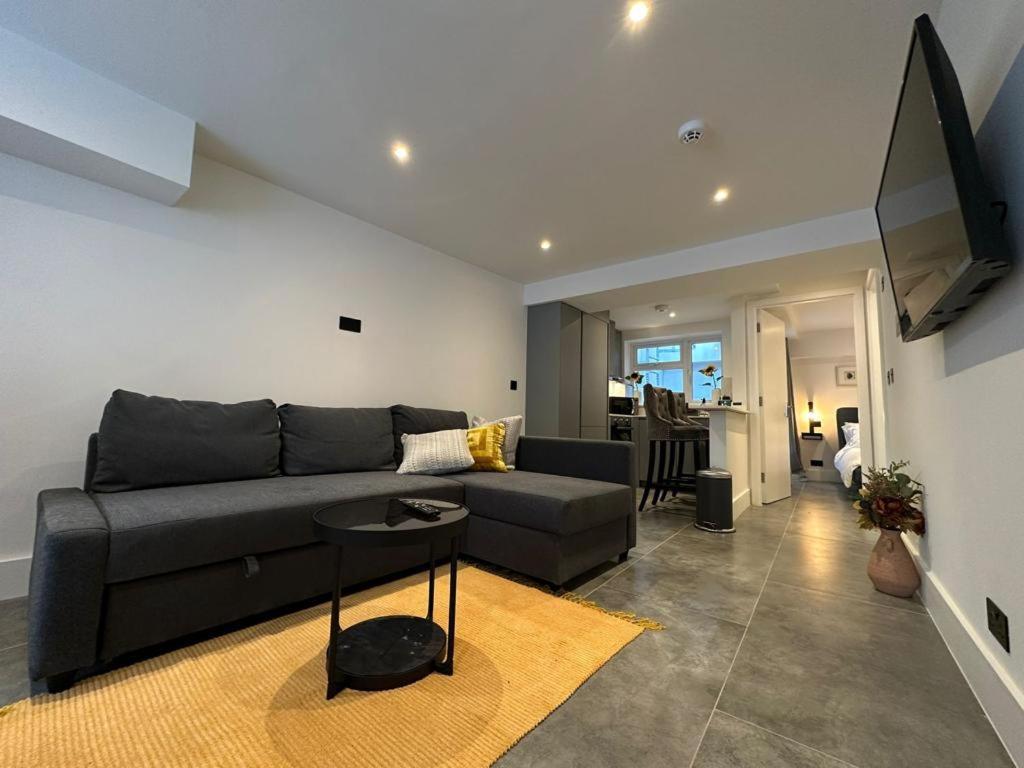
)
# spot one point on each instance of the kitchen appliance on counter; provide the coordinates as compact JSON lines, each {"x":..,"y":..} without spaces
{"x":621,"y":406}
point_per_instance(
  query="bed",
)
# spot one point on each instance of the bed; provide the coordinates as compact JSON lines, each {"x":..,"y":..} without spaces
{"x":847,"y":459}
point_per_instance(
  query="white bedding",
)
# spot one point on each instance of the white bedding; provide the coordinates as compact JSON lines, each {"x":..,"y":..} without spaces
{"x":847,"y":460}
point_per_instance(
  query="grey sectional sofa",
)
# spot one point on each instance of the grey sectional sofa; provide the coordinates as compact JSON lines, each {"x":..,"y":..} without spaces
{"x":164,"y":540}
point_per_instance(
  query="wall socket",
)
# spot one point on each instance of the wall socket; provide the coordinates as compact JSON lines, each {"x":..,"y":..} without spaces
{"x":817,"y":463}
{"x":998,"y":624}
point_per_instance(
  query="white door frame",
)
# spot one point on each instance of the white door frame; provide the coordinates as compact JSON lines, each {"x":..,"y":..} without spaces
{"x":754,"y":375}
{"x":873,"y":296}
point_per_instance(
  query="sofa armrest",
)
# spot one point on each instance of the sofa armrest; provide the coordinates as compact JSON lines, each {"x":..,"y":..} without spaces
{"x":66,"y":583}
{"x":612,"y":461}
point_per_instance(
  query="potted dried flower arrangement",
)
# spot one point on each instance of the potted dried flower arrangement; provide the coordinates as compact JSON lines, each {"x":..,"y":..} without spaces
{"x":890,"y":500}
{"x":635,"y":379}
{"x":714,"y":385}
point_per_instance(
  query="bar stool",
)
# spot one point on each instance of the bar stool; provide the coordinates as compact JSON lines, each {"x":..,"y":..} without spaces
{"x":664,"y":433}
{"x":679,"y":411}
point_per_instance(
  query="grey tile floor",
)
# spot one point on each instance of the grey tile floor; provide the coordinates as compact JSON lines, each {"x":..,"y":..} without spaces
{"x":777,"y":654}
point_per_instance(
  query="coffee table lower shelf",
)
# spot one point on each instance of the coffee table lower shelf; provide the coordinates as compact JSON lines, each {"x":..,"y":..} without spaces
{"x":386,"y":652}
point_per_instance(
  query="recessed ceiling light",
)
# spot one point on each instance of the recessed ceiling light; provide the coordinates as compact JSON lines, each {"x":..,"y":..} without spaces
{"x":545,"y":245}
{"x":400,"y":151}
{"x":671,"y":314}
{"x":638,"y":12}
{"x":721,"y":195}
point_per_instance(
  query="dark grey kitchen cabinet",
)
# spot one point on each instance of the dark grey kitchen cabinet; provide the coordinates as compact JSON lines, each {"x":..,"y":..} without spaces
{"x":566,"y":372}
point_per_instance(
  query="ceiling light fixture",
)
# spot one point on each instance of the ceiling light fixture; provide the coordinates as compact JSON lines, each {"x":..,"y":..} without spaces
{"x":721,"y":195}
{"x":638,"y":12}
{"x":671,"y":314}
{"x":400,"y":151}
{"x":545,"y":245}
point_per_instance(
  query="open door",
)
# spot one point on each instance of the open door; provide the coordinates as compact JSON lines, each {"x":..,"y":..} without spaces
{"x":774,"y":407}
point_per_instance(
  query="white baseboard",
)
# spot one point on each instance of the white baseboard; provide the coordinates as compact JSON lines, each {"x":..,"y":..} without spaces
{"x":993,"y":686}
{"x":14,"y":577}
{"x":740,"y":502}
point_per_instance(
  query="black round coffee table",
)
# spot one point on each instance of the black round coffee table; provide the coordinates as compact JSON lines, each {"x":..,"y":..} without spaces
{"x":389,"y":651}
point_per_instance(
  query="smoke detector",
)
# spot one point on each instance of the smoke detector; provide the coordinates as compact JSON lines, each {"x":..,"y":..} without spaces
{"x":691,"y":131}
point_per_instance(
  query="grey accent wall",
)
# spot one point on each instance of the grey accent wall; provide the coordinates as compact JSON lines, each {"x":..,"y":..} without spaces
{"x":993,"y":327}
{"x":953,"y":411}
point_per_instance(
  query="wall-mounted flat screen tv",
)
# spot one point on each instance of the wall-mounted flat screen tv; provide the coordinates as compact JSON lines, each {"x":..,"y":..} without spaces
{"x":941,"y":230}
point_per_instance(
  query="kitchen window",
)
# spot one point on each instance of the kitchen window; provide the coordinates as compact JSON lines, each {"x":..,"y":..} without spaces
{"x":675,"y":364}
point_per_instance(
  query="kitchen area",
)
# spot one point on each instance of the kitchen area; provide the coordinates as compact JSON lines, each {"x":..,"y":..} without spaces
{"x":577,"y":385}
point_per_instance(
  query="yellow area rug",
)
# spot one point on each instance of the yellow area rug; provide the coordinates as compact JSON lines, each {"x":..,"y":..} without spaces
{"x":255,"y":698}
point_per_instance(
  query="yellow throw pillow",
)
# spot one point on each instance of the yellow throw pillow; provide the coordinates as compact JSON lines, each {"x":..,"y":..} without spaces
{"x":486,"y":444}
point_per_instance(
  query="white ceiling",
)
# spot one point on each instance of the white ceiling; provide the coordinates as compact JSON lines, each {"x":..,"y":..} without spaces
{"x":526,"y":118}
{"x":809,"y":316}
{"x":711,"y":295}
{"x":690,"y":309}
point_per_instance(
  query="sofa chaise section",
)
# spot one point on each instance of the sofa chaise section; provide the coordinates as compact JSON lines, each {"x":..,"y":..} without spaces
{"x":569,"y":506}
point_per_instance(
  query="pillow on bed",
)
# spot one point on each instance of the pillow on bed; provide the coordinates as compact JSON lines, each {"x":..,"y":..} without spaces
{"x":852,"y":433}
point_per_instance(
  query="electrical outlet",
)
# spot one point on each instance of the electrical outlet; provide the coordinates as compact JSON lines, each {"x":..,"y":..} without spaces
{"x":998,"y":624}
{"x":817,"y":463}
{"x":350,"y":324}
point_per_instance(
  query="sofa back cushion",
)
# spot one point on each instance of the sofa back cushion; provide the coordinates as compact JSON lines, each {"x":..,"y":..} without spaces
{"x":147,"y":442}
{"x":316,"y":441}
{"x":417,"y":421}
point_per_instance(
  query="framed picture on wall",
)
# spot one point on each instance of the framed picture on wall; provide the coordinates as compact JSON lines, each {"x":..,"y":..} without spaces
{"x":846,"y":376}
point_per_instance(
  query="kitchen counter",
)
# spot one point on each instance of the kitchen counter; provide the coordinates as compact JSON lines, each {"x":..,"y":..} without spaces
{"x":729,"y":408}
{"x":729,"y":440}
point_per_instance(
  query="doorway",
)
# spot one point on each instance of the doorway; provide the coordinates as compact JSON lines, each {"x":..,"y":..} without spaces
{"x":809,"y":360}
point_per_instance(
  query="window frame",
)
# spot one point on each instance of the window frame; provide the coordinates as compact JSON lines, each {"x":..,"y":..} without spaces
{"x":685,"y":361}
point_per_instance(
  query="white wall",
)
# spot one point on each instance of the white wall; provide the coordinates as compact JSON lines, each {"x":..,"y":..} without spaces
{"x":234,"y":294}
{"x":982,"y":38}
{"x":955,"y":409}
{"x":67,"y":117}
{"x":819,"y":234}
{"x":814,"y":356}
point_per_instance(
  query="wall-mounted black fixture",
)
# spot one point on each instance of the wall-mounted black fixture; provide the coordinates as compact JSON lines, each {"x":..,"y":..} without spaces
{"x":513,"y":385}
{"x":813,"y":421}
{"x":350,"y":324}
{"x":998,"y":624}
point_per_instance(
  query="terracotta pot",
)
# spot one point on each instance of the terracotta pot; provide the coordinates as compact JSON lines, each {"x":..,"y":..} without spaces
{"x":890,"y":568}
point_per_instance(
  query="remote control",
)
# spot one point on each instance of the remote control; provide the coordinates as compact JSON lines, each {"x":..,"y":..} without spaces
{"x":422,"y":508}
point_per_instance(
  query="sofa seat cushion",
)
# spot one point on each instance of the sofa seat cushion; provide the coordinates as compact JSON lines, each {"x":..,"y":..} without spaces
{"x":160,"y":530}
{"x":552,"y":503}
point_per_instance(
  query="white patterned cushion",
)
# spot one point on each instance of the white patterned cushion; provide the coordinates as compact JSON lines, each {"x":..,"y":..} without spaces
{"x":435,"y":453}
{"x":513,"y":429}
